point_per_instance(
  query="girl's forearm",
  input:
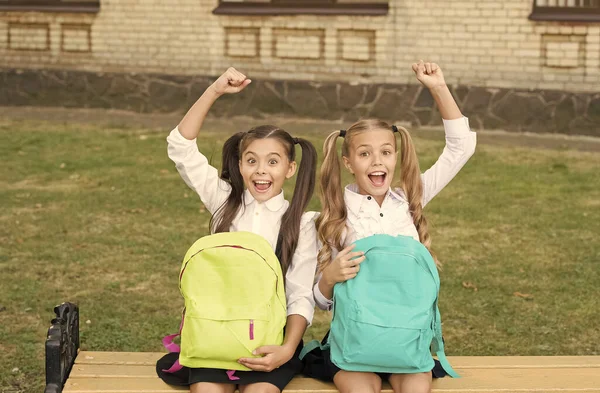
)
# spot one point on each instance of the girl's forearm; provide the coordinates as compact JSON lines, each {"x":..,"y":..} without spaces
{"x":445,"y":102}
{"x":294,"y":330}
{"x":190,"y":125}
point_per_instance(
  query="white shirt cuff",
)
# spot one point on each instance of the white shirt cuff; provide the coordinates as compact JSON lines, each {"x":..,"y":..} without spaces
{"x":457,"y":127}
{"x":321,"y":300}
{"x":303,"y":309}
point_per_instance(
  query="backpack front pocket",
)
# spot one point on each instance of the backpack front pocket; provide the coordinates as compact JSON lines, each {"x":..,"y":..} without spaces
{"x":224,"y":340}
{"x":401,"y":349}
{"x":371,"y":343}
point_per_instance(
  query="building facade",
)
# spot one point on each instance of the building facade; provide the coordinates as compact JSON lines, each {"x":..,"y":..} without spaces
{"x":518,"y":65}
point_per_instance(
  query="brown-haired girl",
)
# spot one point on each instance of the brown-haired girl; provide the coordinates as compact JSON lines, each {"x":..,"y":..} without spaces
{"x":371,"y":206}
{"x":248,"y":196}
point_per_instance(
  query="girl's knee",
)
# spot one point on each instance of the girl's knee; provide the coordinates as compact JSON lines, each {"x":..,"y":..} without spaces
{"x":262,"y":387}
{"x":355,"y":382}
{"x":209,"y":387}
{"x":367,"y":388}
{"x":411,"y":383}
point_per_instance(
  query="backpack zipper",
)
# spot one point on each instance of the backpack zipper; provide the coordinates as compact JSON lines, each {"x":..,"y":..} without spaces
{"x":251,"y":328}
{"x":232,"y":246}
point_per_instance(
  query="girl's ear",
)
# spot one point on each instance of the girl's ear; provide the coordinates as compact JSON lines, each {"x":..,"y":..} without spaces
{"x":347,"y":164}
{"x":291,"y":170}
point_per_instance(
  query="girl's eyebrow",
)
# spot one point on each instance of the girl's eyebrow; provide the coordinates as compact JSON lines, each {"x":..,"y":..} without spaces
{"x":365,"y":145}
{"x":270,"y":154}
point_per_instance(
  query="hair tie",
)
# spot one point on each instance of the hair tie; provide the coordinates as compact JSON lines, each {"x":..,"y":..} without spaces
{"x":296,"y":141}
{"x":394,"y":129}
{"x":343,"y":133}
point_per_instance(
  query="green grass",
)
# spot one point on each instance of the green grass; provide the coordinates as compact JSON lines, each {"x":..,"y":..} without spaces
{"x":101,"y":218}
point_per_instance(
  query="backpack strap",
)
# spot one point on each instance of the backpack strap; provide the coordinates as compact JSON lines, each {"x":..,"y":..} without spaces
{"x":310,"y":347}
{"x":174,"y":368}
{"x":316,"y":343}
{"x":168,"y":343}
{"x":438,"y":343}
{"x":172,"y":347}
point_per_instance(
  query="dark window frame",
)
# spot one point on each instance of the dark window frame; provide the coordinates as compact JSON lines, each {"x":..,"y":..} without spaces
{"x":50,"y":6}
{"x":296,"y":7}
{"x":590,"y":13}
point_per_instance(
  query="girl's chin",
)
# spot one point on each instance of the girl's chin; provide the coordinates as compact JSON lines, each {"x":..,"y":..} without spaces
{"x":262,"y":195}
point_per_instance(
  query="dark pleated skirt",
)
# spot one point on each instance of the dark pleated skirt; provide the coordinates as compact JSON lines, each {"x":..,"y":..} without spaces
{"x":279,"y":377}
{"x":318,"y":364}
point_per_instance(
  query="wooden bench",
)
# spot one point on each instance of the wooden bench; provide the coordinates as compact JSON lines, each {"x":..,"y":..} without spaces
{"x":99,"y":372}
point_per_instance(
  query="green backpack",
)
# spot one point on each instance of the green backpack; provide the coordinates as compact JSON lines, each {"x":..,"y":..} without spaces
{"x":387,"y":319}
{"x":235,"y":301}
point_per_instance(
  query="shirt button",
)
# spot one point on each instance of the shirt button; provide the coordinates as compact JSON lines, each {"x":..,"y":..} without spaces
{"x":381,"y":214}
{"x":369,"y":198}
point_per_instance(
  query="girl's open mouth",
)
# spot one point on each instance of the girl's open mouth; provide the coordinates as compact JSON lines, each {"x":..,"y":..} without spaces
{"x":377,"y":178}
{"x":262,"y":185}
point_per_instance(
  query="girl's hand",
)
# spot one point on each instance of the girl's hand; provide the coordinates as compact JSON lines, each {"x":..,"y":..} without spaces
{"x":232,"y":81}
{"x":429,"y":74}
{"x":274,"y":356}
{"x":344,"y":267}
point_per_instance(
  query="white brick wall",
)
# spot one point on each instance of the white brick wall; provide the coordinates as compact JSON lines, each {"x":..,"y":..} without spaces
{"x":477,"y":42}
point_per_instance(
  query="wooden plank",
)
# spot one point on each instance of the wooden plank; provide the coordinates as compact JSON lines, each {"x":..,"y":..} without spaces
{"x":141,"y":358}
{"x":119,"y":385}
{"x":148,"y":371}
{"x":477,"y":362}
{"x":504,"y":380}
{"x":115,"y":371}
{"x":112,"y":371}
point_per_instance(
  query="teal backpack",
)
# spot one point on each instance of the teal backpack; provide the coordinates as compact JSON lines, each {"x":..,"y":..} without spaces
{"x":386,"y":319}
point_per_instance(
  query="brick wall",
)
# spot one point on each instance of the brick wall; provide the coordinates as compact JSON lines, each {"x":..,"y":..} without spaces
{"x":486,"y":43}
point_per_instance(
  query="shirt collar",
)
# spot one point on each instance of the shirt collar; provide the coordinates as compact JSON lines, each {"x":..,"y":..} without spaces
{"x":397,"y":194}
{"x":274,"y":204}
{"x":354,"y":200}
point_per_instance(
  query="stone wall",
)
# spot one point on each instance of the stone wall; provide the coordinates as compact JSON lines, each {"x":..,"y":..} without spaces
{"x":407,"y":104}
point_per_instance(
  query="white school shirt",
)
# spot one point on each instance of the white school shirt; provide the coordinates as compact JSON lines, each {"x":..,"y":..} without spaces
{"x":261,"y":218}
{"x":367,"y":218}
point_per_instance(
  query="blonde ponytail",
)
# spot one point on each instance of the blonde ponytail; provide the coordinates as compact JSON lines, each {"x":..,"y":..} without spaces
{"x":332,"y":221}
{"x":412,"y":185}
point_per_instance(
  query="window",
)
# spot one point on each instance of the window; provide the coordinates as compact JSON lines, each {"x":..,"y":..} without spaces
{"x":566,"y":10}
{"x":51,"y":5}
{"x":315,"y":7}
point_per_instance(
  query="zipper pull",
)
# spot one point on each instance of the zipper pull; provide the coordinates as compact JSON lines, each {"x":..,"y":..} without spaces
{"x":251,"y":329}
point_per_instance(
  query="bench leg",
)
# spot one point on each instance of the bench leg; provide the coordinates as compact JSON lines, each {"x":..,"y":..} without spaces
{"x":62,"y":345}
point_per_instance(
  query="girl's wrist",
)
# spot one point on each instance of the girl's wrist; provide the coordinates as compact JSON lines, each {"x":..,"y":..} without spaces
{"x":328,"y":281}
{"x":289,"y":348}
{"x":437,"y":89}
{"x":212,"y":92}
